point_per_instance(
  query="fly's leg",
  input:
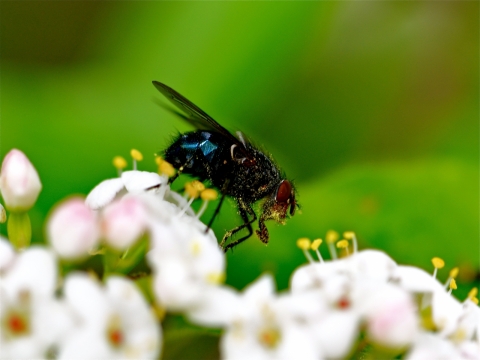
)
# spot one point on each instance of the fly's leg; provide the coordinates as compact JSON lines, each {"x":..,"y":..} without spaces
{"x":262,"y":233}
{"x":217,"y":210}
{"x":244,"y":211}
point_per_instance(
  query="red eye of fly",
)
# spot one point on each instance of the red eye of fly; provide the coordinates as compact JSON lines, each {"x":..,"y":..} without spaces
{"x":284,"y":192}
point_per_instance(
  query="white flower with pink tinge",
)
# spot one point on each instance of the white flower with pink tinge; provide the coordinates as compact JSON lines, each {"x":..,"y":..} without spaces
{"x":113,"y":322}
{"x":19,"y":181}
{"x":73,"y":229}
{"x":124,"y":221}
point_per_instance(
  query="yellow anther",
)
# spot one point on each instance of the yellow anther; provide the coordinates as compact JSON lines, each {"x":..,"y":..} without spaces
{"x":453,"y":284}
{"x":473,"y":293}
{"x":119,"y":162}
{"x":331,"y":236}
{"x":135,"y":154}
{"x":453,"y":273}
{"x":342,"y":244}
{"x":166,"y":168}
{"x":349,"y":235}
{"x":198,"y":185}
{"x":209,"y":194}
{"x":216,"y":278}
{"x":438,"y":263}
{"x":191,"y":190}
{"x":158,"y":160}
{"x":304,"y":243}
{"x":475,"y":300}
{"x":316,"y":244}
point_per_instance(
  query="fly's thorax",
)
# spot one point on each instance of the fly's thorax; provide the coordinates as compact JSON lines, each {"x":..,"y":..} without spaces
{"x":256,"y":181}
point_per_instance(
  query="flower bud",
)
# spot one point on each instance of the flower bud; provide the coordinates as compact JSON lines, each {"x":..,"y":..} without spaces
{"x":72,"y":229}
{"x":19,"y":182}
{"x":123,"y":222}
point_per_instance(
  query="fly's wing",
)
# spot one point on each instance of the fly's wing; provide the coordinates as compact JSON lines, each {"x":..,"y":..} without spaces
{"x":197,"y":117}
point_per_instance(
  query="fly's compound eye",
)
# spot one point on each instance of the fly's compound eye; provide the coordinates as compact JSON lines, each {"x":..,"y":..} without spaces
{"x":284,"y":192}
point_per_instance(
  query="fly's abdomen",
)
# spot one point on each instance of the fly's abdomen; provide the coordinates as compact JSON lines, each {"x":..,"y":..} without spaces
{"x":196,"y":151}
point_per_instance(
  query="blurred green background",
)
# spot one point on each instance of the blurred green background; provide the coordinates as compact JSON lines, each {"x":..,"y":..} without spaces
{"x":371,"y":107}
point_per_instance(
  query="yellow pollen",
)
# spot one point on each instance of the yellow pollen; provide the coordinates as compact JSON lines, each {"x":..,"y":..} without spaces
{"x":269,"y":337}
{"x":191,"y":190}
{"x":453,"y":284}
{"x":438,"y":263}
{"x":349,"y":235}
{"x":304,"y":243}
{"x":316,"y":244}
{"x":158,"y":160}
{"x":198,"y":185}
{"x":135,"y":154}
{"x":475,"y":300}
{"x":216,"y":278}
{"x":342,"y":244}
{"x":166,"y":168}
{"x":473,"y":293}
{"x":331,"y":236}
{"x":454,"y":272}
{"x":119,"y":162}
{"x":209,"y":195}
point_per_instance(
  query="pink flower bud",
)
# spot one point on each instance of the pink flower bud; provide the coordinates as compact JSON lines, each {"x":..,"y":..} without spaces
{"x":123,"y":222}
{"x":72,"y":229}
{"x":19,"y":181}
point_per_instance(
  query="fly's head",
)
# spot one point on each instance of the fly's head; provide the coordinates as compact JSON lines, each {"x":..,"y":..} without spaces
{"x":276,"y":207}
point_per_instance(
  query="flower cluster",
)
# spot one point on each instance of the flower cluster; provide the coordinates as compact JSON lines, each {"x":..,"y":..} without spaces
{"x":361,"y":303}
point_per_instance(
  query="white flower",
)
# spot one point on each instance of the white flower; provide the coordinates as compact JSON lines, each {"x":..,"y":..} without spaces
{"x":391,"y":317}
{"x":123,"y":222}
{"x":7,"y":254}
{"x":31,"y":320}
{"x":114,"y":322}
{"x":260,"y":325}
{"x":185,"y":262}
{"x":19,"y":181}
{"x":130,"y":181}
{"x":431,"y":346}
{"x":72,"y":229}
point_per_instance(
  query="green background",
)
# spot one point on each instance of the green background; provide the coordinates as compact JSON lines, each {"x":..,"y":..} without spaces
{"x":371,"y":107}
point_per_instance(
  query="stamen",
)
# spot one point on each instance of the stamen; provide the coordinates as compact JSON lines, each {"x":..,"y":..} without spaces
{"x":187,"y":205}
{"x":343,"y":244}
{"x":136,"y":156}
{"x":452,"y":275}
{"x":206,"y":195}
{"x":350,"y":235}
{"x":472,"y":295}
{"x":166,"y":168}
{"x":194,"y":188}
{"x":438,"y":264}
{"x":453,"y":286}
{"x":315,"y":245}
{"x":120,"y":163}
{"x":331,"y":237}
{"x":304,"y":245}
